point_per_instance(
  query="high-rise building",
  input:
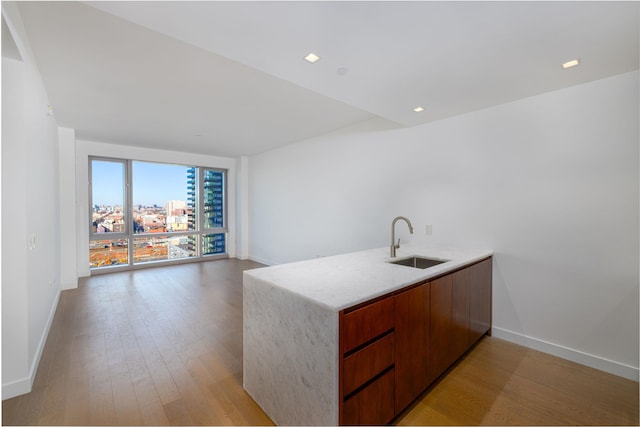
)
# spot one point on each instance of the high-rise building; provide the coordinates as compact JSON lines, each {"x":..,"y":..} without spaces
{"x":213,"y":189}
{"x":191,"y":207}
{"x":213,"y":207}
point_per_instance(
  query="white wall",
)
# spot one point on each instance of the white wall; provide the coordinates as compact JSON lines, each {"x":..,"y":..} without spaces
{"x":14,"y":228}
{"x":68,"y":221}
{"x":242,"y":208}
{"x":84,"y":149}
{"x":30,"y":214}
{"x":550,"y":183}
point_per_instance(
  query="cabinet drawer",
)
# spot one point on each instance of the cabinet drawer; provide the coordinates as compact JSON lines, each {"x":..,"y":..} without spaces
{"x":365,"y":364}
{"x":366,"y":323}
{"x":373,"y":405}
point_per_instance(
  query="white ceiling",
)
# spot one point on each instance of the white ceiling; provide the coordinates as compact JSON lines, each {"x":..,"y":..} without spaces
{"x":228,"y":78}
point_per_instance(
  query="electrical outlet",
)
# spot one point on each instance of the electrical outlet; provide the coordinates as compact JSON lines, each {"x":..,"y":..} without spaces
{"x":428,"y":229}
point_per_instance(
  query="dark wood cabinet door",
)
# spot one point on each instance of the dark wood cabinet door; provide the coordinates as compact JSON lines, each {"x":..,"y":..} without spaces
{"x":480,"y":276}
{"x":460,"y":313}
{"x":365,"y":364}
{"x":367,"y":346}
{"x":412,"y":344}
{"x":373,"y":405}
{"x":441,"y":333}
{"x":366,"y":323}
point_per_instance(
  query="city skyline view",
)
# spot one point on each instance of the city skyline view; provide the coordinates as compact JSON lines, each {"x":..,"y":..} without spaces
{"x":164,"y":203}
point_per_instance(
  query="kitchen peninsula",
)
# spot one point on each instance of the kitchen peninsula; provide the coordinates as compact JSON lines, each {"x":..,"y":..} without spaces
{"x":354,"y":338}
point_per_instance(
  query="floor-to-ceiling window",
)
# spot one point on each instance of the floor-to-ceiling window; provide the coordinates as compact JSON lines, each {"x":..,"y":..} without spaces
{"x":144,"y":212}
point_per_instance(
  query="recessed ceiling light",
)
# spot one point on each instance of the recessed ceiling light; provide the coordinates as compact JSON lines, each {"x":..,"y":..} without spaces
{"x":418,"y":109}
{"x":571,"y":63}
{"x":312,"y":57}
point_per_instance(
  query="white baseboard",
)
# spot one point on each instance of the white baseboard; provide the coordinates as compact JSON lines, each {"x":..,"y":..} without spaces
{"x":577,"y":356}
{"x":24,"y":385}
{"x":261,"y":261}
{"x":16,"y":388}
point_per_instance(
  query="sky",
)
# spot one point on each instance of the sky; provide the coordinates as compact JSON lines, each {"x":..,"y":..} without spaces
{"x":153,"y":183}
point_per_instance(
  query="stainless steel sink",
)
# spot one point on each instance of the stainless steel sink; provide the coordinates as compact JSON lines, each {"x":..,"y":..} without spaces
{"x":418,"y":262}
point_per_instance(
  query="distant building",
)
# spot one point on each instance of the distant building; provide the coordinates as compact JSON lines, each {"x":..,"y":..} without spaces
{"x":178,"y":223}
{"x":175,"y":207}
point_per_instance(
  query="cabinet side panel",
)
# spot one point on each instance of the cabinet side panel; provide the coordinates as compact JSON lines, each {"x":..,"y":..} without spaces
{"x":290,"y":355}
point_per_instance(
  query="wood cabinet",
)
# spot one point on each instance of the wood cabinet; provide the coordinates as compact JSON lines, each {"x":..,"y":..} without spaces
{"x":460,"y":314}
{"x":373,"y":405}
{"x":361,"y":366}
{"x":393,"y":348}
{"x":412,"y":344}
{"x":367,"y":355}
{"x":480,"y":295}
{"x":366,"y":323}
{"x":441,"y":326}
{"x":461,"y":304}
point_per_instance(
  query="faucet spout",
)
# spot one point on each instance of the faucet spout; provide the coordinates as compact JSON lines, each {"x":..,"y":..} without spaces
{"x":395,"y":245}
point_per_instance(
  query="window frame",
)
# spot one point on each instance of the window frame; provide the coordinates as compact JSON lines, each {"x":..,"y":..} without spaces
{"x":125,"y":201}
{"x":200,"y":231}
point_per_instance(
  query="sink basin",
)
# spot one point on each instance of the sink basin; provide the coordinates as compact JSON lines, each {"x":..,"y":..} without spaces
{"x":418,"y":262}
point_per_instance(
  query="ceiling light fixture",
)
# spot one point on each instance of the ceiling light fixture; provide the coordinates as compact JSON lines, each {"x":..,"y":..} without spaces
{"x":312,"y":57}
{"x":418,"y":109}
{"x":571,"y":63}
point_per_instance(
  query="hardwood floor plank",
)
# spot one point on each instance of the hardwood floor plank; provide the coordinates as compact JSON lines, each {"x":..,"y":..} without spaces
{"x":563,"y":408}
{"x":101,"y":402}
{"x":125,"y":402}
{"x":167,"y":389}
{"x":220,"y":364}
{"x":251,"y":412}
{"x":191,"y":394}
{"x":154,"y":414}
{"x":164,"y":347}
{"x":570,"y":378}
{"x":146,"y":392}
{"x":500,"y":383}
{"x":178,"y":413}
{"x":29,"y":407}
{"x":224,"y":410}
{"x":77,"y":413}
{"x":11,"y":411}
{"x":55,"y":400}
{"x":423,"y":414}
{"x":164,"y":384}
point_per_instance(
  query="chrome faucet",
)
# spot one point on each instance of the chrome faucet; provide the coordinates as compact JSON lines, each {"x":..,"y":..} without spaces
{"x":395,"y":245}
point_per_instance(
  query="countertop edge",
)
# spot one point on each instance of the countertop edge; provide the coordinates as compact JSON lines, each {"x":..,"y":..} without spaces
{"x":343,"y":281}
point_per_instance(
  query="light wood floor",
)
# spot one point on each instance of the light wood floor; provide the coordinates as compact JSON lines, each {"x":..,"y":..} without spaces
{"x":164,"y":347}
{"x":500,"y":383}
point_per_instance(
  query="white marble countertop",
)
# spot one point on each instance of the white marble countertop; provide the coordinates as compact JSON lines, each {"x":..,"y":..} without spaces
{"x":341,"y":281}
